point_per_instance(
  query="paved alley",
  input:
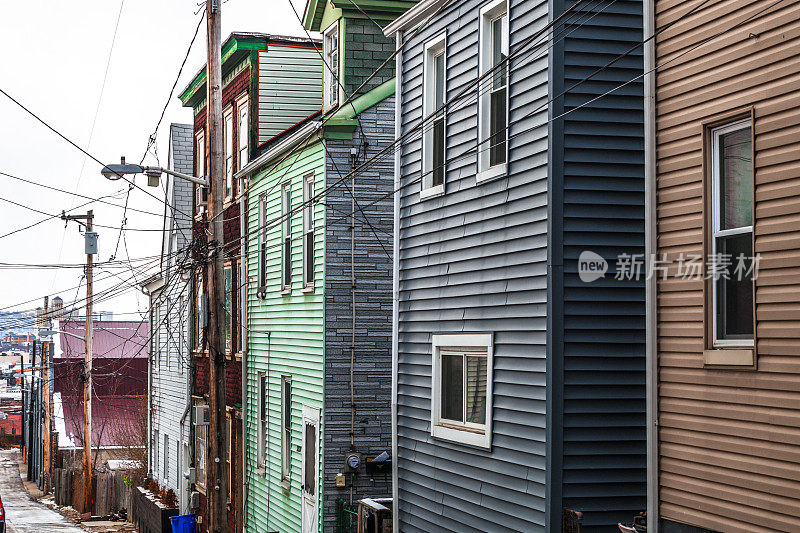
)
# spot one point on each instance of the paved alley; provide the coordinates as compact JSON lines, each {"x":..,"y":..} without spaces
{"x":24,"y":515}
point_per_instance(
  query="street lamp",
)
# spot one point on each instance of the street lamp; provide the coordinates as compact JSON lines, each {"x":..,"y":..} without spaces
{"x":114,"y":172}
{"x":51,"y":332}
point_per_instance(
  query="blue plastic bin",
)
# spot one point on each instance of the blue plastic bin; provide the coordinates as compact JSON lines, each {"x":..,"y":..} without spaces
{"x":183,"y":523}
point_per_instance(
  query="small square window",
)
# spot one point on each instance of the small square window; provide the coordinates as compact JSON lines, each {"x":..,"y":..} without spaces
{"x":461,"y":403}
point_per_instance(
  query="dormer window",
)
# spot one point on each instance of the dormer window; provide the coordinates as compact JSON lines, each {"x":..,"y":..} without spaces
{"x":331,"y":78}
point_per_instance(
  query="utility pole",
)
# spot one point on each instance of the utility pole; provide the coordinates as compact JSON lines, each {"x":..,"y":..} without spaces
{"x":91,"y":248}
{"x":48,"y":439}
{"x":216,"y":481}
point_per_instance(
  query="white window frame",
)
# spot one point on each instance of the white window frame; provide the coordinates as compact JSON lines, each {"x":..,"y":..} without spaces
{"x":331,"y":66}
{"x":286,"y":431}
{"x":243,"y":130}
{"x":489,"y":13}
{"x":716,"y":232}
{"x":433,"y":48}
{"x":308,"y":227}
{"x":227,"y":130}
{"x":262,"y":385}
{"x":464,"y":433}
{"x":157,"y":334}
{"x":157,"y":443}
{"x":262,"y":241}
{"x":200,"y":148}
{"x":200,"y":429}
{"x":286,"y":237}
{"x":166,"y":458}
{"x":228,"y":304}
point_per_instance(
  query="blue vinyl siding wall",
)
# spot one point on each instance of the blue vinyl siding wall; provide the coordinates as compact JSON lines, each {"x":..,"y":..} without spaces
{"x":598,"y":337}
{"x":474,"y":260}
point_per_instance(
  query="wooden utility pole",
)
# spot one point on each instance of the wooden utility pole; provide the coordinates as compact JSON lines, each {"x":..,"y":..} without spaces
{"x":216,"y":480}
{"x":87,"y":365}
{"x":48,"y":440}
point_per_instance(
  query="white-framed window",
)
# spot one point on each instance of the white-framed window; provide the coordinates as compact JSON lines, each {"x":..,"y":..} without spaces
{"x":237,"y":333}
{"x":262,"y":241}
{"x":201,"y":198}
{"x":433,"y":139}
{"x":493,"y":90}
{"x":156,"y":442}
{"x":156,"y":334}
{"x":228,"y":276}
{"x":308,"y":231}
{"x":331,"y":77}
{"x":166,"y":457}
{"x":242,"y":130}
{"x":199,"y":313}
{"x":732,"y":234}
{"x":286,"y":434}
{"x":262,"y":419}
{"x":461,"y":403}
{"x":227,"y":130}
{"x":286,"y":237}
{"x":200,"y":452}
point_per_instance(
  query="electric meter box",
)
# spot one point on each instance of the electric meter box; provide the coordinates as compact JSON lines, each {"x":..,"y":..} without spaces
{"x":90,"y":241}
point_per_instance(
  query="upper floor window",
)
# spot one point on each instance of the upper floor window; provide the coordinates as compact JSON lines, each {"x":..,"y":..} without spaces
{"x":227,"y":120}
{"x":493,"y":96}
{"x":286,"y":236}
{"x":331,"y":78}
{"x":242,"y":130}
{"x":199,"y":313}
{"x":263,"y":409}
{"x":262,"y":242}
{"x":308,"y":231}
{"x":228,"y":274}
{"x":732,"y":259}
{"x":433,"y":140}
{"x":201,"y":193}
{"x":461,"y":403}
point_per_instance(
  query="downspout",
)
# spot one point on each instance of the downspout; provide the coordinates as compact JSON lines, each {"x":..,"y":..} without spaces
{"x":398,"y":67}
{"x":243,"y":332}
{"x":650,"y":245}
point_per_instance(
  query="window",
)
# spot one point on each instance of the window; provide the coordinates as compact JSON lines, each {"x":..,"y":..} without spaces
{"x":199,"y":313}
{"x":237,"y":334}
{"x":308,"y":231}
{"x":493,"y":98}
{"x":200,"y":451}
{"x":433,"y":140}
{"x":286,"y":235}
{"x":228,"y":274}
{"x":200,"y":163}
{"x":331,"y":81}
{"x":461,"y":404}
{"x":229,"y":452}
{"x":155,"y":335}
{"x":286,"y":444}
{"x":156,"y":441}
{"x":242,"y":130}
{"x":262,"y":242}
{"x":262,"y":418}
{"x":227,"y":120}
{"x":732,"y":239}
{"x":166,"y":457}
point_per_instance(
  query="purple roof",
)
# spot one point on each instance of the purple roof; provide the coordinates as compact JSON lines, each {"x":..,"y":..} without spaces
{"x":112,"y":339}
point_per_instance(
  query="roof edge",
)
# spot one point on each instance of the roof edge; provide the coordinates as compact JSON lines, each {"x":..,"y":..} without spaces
{"x":414,"y":16}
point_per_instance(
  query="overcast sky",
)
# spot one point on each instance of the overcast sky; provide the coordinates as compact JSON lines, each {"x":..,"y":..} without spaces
{"x":54,"y":60}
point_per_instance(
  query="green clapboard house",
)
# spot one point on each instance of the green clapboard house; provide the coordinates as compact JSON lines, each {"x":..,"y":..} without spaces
{"x":318,"y":294}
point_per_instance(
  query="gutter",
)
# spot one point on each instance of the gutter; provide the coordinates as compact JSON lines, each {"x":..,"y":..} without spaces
{"x":243,"y":334}
{"x":309,"y":129}
{"x":398,"y":66}
{"x":650,"y":245}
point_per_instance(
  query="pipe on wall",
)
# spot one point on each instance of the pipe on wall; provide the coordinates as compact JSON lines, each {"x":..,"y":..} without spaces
{"x":650,"y":250}
{"x":398,"y":67}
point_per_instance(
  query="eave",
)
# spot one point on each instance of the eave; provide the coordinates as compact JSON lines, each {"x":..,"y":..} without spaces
{"x":376,"y":9}
{"x":414,"y":16}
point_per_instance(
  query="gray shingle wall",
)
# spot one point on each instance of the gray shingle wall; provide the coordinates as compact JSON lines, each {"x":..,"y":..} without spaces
{"x":373,"y":274}
{"x":366,"y":48}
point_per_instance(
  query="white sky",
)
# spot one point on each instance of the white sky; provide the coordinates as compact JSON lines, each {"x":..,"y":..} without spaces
{"x":54,"y":58}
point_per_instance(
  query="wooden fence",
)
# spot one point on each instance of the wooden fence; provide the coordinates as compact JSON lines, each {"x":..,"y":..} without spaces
{"x":111,"y":491}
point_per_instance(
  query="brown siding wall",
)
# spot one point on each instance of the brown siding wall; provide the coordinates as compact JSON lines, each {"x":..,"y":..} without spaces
{"x":730,"y":439}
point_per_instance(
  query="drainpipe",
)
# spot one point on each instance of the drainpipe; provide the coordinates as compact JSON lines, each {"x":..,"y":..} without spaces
{"x":398,"y":62}
{"x":650,"y":245}
{"x":243,"y":332}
